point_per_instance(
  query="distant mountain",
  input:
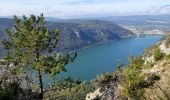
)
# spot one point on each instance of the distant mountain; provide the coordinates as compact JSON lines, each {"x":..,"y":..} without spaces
{"x":52,"y":19}
{"x":135,"y":19}
{"x":142,"y":23}
{"x":76,"y":34}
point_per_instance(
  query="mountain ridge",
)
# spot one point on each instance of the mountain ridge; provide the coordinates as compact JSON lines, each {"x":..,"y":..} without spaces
{"x":76,"y":35}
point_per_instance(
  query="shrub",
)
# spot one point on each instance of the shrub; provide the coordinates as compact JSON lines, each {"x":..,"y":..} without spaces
{"x":148,"y":65}
{"x":168,"y":57}
{"x":133,"y":89}
{"x":9,"y":89}
{"x":158,"y":55}
{"x":133,"y":80}
{"x":152,"y":78}
{"x":167,"y":43}
{"x":4,"y":94}
{"x":103,"y":78}
{"x":78,"y":92}
{"x":69,"y":89}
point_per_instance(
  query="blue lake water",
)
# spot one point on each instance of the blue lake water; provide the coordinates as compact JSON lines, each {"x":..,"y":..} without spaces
{"x":104,"y":57}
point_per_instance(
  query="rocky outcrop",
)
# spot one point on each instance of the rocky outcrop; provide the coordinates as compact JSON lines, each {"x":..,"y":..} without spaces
{"x":107,"y":89}
{"x":164,"y":48}
{"x":94,"y":95}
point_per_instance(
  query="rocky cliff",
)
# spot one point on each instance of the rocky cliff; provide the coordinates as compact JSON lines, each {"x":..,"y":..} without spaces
{"x":144,"y":78}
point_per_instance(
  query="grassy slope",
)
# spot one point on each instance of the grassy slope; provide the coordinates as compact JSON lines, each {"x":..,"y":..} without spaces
{"x":145,"y":78}
{"x":161,"y":88}
{"x":156,"y":65}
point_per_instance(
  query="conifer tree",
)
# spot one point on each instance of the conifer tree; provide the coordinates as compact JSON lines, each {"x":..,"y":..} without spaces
{"x":31,"y":44}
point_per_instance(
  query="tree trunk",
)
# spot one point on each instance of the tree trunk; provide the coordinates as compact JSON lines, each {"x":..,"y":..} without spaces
{"x":41,"y":85}
{"x":39,"y":75}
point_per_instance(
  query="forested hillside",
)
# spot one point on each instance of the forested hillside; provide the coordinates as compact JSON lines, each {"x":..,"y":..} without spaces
{"x":75,"y":35}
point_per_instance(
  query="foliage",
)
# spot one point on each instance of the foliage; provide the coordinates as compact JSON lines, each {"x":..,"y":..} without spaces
{"x":152,"y":78}
{"x":147,"y":65}
{"x":158,"y":55}
{"x":32,"y":44}
{"x":65,"y":83}
{"x":134,"y":81}
{"x":132,"y":86}
{"x":168,"y":57}
{"x":69,"y":89}
{"x":167,"y":43}
{"x":101,"y":79}
{"x":4,"y":94}
{"x":88,"y":30}
{"x":9,"y":88}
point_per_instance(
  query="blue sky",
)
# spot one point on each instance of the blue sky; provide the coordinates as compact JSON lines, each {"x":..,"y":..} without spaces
{"x":84,"y":8}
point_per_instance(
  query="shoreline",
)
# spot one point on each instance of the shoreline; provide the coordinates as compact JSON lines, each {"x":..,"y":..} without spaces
{"x":96,"y":44}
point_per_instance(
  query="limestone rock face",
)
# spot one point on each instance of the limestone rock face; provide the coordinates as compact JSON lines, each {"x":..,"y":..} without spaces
{"x":93,"y":95}
{"x":164,"y":49}
{"x":108,"y":89}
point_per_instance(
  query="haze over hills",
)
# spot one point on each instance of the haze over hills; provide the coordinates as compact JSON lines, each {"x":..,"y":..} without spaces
{"x":75,"y":35}
{"x":139,"y":24}
{"x":81,"y":33}
{"x":143,"y":23}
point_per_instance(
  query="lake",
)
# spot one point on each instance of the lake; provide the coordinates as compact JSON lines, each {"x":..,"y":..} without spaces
{"x":104,"y":57}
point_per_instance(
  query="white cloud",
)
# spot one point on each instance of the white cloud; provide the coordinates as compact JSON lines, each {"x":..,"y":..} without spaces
{"x":81,"y":8}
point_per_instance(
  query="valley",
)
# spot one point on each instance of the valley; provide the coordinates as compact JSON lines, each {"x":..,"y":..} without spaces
{"x":84,"y":49}
{"x":79,"y":34}
{"x":101,"y":45}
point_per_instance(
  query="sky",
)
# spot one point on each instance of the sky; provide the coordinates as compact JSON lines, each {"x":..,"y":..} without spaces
{"x":83,"y":8}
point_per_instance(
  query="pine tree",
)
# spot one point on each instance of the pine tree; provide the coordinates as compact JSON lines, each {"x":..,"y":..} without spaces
{"x":31,"y":44}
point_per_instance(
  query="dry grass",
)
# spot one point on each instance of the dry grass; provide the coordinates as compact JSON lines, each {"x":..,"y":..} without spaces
{"x":161,"y":89}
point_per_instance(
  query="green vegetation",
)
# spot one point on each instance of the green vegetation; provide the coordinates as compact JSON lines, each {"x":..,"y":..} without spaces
{"x":31,"y":44}
{"x":4,"y":94}
{"x":9,"y":89}
{"x":167,"y":43}
{"x":158,"y":55}
{"x":148,"y":65}
{"x":78,"y":92}
{"x":103,"y":78}
{"x":65,"y":83}
{"x":135,"y":81}
{"x":69,"y":89}
{"x":168,"y":57}
{"x":75,"y":34}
